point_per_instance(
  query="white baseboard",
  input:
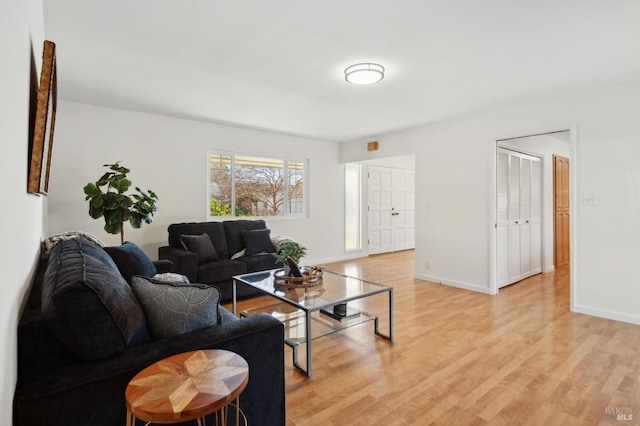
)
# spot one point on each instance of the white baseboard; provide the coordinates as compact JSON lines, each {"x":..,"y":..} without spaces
{"x":549,"y":269}
{"x":452,"y":283}
{"x":603,"y":313}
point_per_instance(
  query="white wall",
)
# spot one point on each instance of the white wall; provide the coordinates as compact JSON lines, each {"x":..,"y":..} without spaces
{"x":453,"y":174}
{"x":168,"y":156}
{"x":544,"y":146}
{"x":21,"y":33}
{"x":405,"y":162}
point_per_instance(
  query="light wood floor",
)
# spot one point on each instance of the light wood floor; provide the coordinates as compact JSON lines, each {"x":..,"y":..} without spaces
{"x":464,"y":358}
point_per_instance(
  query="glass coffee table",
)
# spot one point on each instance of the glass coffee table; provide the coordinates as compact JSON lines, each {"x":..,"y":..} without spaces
{"x":309,"y":313}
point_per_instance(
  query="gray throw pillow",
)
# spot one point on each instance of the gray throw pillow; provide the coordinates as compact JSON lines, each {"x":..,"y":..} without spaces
{"x":257,"y":241}
{"x":174,"y":308}
{"x":200,"y":245}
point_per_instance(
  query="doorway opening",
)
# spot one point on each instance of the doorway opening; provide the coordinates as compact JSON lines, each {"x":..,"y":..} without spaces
{"x":531,"y":234}
{"x":385,"y":195}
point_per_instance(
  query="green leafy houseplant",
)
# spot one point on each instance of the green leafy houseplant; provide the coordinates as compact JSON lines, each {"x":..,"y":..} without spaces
{"x":117,"y":207}
{"x":290,"y":249}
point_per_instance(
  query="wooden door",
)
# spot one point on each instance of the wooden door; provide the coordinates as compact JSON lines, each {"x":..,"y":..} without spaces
{"x":561,"y":252}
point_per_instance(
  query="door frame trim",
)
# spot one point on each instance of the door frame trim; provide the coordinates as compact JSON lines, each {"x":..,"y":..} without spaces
{"x":573,"y":184}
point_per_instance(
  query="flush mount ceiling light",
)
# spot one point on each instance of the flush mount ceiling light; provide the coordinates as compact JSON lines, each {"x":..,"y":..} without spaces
{"x":366,"y":73}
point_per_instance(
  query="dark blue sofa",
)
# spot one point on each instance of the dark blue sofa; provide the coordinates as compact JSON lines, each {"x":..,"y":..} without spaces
{"x":70,"y":381}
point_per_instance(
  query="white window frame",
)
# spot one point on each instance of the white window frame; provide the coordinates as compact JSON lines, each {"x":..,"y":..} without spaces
{"x":286,"y":206}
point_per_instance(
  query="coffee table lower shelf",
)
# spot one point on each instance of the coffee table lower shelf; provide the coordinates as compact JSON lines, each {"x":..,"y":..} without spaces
{"x":322,"y":324}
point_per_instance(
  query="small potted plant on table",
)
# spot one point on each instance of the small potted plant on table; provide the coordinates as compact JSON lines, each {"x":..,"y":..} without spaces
{"x":290,"y":250}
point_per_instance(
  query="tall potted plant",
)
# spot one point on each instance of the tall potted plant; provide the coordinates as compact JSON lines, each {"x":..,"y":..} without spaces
{"x":117,"y":207}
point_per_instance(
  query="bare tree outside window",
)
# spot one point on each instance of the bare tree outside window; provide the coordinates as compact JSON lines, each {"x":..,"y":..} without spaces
{"x":220,"y":185}
{"x":255,"y":186}
{"x":259,"y":186}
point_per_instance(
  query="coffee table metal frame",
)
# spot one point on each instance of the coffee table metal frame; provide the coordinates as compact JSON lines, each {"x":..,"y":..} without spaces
{"x":310,"y":302}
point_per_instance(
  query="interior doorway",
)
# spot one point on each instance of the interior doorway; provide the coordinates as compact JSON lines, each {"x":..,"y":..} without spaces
{"x":380,"y":205}
{"x":509,"y":252}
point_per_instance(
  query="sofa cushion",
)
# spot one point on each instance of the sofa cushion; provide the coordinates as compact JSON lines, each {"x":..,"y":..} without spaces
{"x":87,"y":304}
{"x":214,"y":230}
{"x":221,"y":270}
{"x":260,"y":262}
{"x":174,"y":308}
{"x":257,"y":241}
{"x":131,"y":260}
{"x":200,"y":245}
{"x":232,"y":230}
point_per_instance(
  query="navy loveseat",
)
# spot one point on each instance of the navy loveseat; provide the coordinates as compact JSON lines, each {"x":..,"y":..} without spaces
{"x":237,"y":248}
{"x":75,"y":358}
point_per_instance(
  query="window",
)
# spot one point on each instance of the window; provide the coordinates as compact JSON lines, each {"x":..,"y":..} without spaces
{"x":352,"y":222}
{"x":244,"y":185}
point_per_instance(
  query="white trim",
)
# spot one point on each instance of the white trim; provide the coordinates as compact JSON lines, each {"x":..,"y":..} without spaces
{"x":493,"y":217}
{"x":573,"y":216}
{"x":452,"y":283}
{"x":603,"y":313}
{"x":285,"y":159}
{"x":549,"y":269}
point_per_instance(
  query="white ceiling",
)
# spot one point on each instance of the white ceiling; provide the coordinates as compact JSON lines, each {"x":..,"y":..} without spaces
{"x":278,"y":64}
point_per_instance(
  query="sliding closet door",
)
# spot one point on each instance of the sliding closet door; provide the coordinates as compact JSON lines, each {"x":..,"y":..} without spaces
{"x":536,"y":216}
{"x":515,"y":240}
{"x":519,"y":212}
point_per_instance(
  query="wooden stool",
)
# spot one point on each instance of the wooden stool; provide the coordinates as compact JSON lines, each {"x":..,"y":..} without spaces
{"x":188,"y":386}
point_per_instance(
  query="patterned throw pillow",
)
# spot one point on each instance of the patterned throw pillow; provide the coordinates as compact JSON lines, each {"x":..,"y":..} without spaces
{"x":174,"y":308}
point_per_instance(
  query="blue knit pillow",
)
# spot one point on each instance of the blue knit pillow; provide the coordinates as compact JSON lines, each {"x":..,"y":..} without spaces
{"x":131,"y":260}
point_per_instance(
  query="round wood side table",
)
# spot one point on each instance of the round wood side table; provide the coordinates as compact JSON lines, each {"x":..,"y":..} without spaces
{"x":188,"y":386}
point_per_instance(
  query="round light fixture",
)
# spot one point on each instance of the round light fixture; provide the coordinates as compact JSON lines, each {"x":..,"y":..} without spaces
{"x":366,"y":73}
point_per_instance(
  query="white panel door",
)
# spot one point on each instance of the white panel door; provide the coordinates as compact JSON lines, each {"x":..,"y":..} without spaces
{"x":518,"y":214}
{"x":379,"y":219}
{"x":403,"y":210}
{"x":390,"y":210}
